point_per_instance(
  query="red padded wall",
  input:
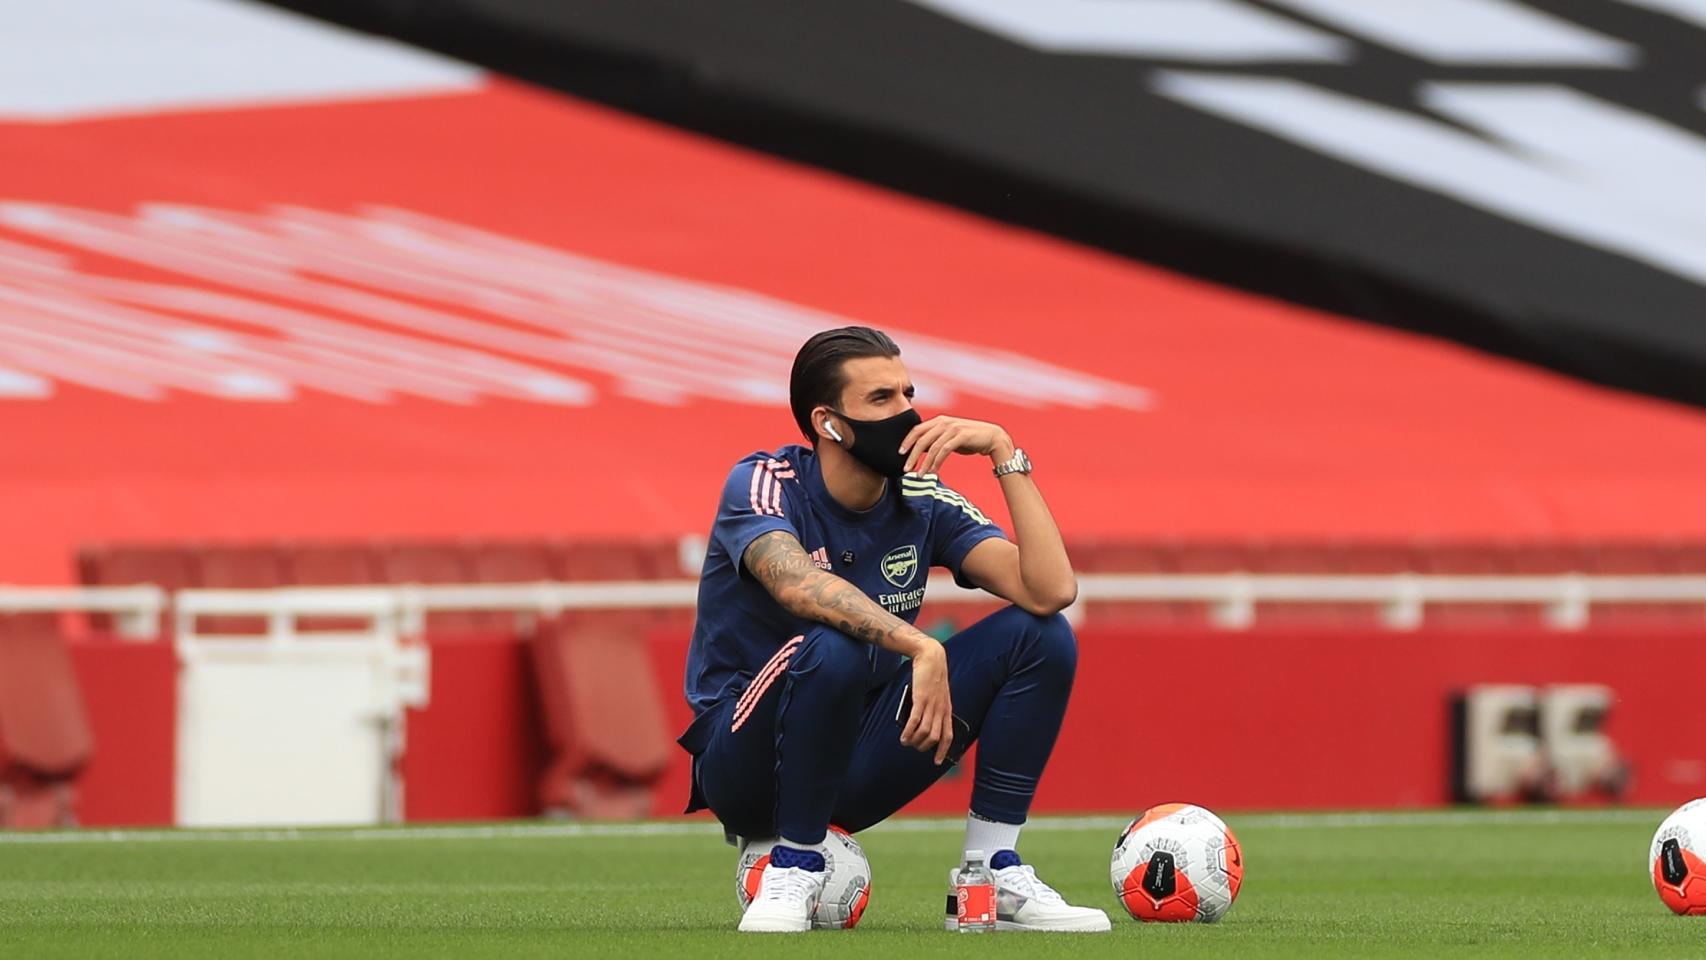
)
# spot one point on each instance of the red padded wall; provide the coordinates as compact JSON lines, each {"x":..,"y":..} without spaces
{"x":1269,"y":719}
{"x":1294,"y":719}
{"x":1298,"y":719}
{"x":131,"y":691}
{"x":475,"y":752}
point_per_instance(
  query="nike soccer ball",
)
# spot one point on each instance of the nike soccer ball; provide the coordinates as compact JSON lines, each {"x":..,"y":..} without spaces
{"x":1177,"y":863}
{"x":1678,"y":859}
{"x":846,"y":891}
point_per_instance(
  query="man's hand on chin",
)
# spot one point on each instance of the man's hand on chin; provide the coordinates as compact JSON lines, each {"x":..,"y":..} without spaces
{"x":932,"y":441}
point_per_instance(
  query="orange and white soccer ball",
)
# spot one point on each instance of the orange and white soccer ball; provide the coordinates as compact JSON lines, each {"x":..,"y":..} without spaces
{"x":1678,"y":859}
{"x":1177,"y":863}
{"x":846,"y":891}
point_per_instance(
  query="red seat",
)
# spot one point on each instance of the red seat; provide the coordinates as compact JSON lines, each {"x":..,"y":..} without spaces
{"x":1304,"y":557}
{"x":1635,"y":559}
{"x":523,"y":561}
{"x":247,"y":567}
{"x":45,"y":739}
{"x":425,"y":563}
{"x":122,"y":565}
{"x":517,"y":562}
{"x":604,"y":718}
{"x":660,"y":558}
{"x":1689,"y":558}
{"x":167,"y":566}
{"x":1133,"y":557}
{"x":329,"y":565}
{"x":1615,"y":558}
{"x":647,"y":559}
{"x":1475,"y":559}
{"x":583,"y":561}
{"x":242,"y":567}
{"x":1208,"y":556}
{"x":1374,"y":558}
{"x":430,"y":563}
{"x":326,"y":565}
{"x":1529,"y":559}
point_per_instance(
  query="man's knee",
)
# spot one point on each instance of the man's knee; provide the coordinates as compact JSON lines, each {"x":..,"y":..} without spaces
{"x":1048,"y":637}
{"x":833,"y":658}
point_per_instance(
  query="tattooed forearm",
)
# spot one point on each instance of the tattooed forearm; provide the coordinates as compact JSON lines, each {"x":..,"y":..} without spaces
{"x":778,"y":562}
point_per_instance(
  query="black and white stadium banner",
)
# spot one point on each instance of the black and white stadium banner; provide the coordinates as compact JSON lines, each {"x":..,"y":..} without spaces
{"x":1525,"y":175}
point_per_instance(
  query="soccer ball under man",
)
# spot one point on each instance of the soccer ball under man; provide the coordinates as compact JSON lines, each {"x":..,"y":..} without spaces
{"x":1678,"y":859}
{"x":846,"y":891}
{"x":1179,"y":863}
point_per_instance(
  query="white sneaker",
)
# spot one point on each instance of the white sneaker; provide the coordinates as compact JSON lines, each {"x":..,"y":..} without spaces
{"x":1024,"y":902}
{"x":787,"y":898}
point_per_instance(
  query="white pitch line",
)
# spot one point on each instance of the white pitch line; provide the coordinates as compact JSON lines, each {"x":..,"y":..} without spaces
{"x":676,"y":828}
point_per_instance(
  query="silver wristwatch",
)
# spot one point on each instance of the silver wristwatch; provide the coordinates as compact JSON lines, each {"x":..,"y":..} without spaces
{"x":1018,"y":464}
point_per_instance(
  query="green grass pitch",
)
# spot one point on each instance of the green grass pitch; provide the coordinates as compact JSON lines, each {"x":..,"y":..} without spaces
{"x":1463,"y":884}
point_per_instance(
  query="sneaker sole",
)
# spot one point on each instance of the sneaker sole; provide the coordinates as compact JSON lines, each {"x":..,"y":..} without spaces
{"x":952,"y":925}
{"x":772,"y":926}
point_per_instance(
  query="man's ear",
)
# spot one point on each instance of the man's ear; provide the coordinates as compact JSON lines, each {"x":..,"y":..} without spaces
{"x":826,"y":426}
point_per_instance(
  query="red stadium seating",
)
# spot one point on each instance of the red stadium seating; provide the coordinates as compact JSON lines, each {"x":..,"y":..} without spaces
{"x":1614,"y":559}
{"x":1690,"y":558}
{"x":528,"y":561}
{"x":1374,"y":558}
{"x":1474,"y":559}
{"x":604,"y":719}
{"x":1125,"y":556}
{"x":595,"y":560}
{"x":45,"y":738}
{"x":523,"y":561}
{"x":244,"y":567}
{"x":654,"y":559}
{"x":171,"y":567}
{"x":1309,"y":558}
{"x":1543,"y":559}
{"x":428,"y":563}
{"x":425,"y":563}
{"x":325,"y":565}
{"x":1206,"y":556}
{"x":329,"y":565}
{"x":516,"y":562}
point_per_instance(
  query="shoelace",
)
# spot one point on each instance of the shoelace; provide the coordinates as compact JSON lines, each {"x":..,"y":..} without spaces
{"x":1022,"y":879}
{"x":790,"y":884}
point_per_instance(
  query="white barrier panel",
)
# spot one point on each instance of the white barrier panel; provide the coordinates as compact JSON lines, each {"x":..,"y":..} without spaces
{"x":292,"y":728}
{"x":278,"y":743}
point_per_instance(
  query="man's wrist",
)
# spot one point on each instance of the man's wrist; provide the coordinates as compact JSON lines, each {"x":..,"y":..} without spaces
{"x":922,"y":644}
{"x":1002,"y":450}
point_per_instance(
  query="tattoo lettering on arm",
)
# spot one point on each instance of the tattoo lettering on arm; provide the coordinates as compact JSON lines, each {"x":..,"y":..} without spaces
{"x":781,"y":564}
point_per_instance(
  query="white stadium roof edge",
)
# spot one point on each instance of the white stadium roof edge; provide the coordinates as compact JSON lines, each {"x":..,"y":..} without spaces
{"x":81,"y":59}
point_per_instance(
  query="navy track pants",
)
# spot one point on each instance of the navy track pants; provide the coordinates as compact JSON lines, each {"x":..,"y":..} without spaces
{"x":814,"y":739}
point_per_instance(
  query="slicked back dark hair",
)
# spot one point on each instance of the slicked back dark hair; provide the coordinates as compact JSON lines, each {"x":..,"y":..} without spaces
{"x":820,"y":372}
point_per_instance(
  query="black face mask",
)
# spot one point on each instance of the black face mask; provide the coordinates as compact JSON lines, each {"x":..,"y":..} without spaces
{"x":876,"y":443}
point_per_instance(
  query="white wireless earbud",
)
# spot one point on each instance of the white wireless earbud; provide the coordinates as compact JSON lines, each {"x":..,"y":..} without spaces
{"x":829,"y":428}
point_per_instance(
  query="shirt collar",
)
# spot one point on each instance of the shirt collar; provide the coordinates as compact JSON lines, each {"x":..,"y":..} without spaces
{"x":811,"y":469}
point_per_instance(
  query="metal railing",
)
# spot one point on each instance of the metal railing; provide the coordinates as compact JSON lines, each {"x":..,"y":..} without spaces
{"x":135,"y":610}
{"x":1233,"y":598}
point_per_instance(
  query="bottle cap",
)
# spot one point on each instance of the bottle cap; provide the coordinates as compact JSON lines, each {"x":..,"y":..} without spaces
{"x":974,"y":855}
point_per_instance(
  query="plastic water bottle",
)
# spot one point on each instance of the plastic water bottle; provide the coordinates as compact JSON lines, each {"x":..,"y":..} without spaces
{"x":974,"y":895}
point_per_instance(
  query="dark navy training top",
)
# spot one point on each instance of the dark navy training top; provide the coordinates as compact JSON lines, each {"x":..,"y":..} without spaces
{"x":885,"y":551}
